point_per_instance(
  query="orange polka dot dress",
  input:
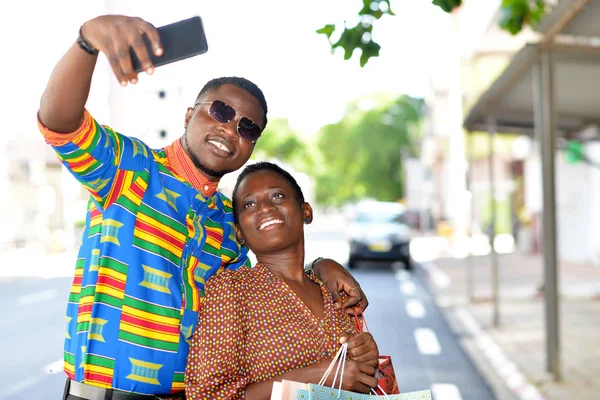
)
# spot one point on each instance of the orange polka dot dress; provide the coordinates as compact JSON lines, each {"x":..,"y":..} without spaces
{"x":252,"y":327}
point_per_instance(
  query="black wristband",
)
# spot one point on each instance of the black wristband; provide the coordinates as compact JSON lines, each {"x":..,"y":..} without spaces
{"x":88,"y":48}
{"x":310,"y":268}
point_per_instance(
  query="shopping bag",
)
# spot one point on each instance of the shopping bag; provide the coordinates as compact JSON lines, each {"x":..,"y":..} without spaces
{"x":286,"y":390}
{"x":321,"y":392}
{"x":317,"y":392}
{"x":386,"y":377}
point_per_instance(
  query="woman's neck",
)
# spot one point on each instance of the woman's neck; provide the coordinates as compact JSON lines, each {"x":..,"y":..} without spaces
{"x":288,"y":264}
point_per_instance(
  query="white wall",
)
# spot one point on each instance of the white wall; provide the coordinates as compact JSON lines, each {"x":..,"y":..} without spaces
{"x":593,"y":212}
{"x":577,"y":196}
{"x":573,"y":205}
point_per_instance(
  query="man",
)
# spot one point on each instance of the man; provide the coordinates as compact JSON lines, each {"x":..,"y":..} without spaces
{"x":156,"y":229}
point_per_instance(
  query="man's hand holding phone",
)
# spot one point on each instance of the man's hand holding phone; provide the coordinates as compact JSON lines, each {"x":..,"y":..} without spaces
{"x":114,"y":35}
{"x":130,"y":44}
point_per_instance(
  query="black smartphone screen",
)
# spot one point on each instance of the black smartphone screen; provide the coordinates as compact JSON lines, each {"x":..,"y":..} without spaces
{"x":180,"y":40}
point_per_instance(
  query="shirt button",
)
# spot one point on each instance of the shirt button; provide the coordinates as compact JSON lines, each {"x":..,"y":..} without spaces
{"x":205,"y":187}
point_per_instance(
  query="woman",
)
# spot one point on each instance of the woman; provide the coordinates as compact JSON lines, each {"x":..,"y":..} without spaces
{"x":273,"y":321}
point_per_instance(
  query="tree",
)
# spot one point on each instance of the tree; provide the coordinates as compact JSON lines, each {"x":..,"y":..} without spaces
{"x":514,"y":15}
{"x":279,"y":141}
{"x":362,"y":154}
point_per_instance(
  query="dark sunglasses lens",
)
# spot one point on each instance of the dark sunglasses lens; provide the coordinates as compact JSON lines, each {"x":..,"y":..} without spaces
{"x":221,"y":112}
{"x":248,"y":130}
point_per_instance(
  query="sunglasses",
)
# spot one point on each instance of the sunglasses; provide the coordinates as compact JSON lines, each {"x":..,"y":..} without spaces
{"x":224,"y":113}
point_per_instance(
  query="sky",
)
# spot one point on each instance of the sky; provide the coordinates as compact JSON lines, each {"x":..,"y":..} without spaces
{"x":270,"y":42}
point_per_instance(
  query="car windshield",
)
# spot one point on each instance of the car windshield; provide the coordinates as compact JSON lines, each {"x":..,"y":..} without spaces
{"x":379,"y":217}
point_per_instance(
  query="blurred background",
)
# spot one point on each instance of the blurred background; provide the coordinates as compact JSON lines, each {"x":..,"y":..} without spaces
{"x":414,"y":138}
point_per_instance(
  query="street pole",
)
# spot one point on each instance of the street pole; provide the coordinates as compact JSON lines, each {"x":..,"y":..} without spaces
{"x":470,"y":260}
{"x":491,"y":122}
{"x":546,"y":123}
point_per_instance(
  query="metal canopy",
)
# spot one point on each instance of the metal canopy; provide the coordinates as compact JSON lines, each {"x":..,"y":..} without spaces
{"x":584,"y":21}
{"x":511,"y":97}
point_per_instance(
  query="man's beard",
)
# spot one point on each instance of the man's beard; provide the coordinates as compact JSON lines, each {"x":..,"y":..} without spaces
{"x":208,"y":171}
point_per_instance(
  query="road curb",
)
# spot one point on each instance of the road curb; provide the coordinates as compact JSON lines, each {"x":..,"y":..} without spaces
{"x":502,"y":374}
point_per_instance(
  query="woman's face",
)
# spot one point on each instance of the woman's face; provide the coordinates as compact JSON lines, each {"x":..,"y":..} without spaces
{"x":270,"y":218}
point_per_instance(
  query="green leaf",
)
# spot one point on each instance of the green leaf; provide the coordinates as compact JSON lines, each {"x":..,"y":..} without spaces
{"x":352,"y":38}
{"x":366,"y":10}
{"x":447,"y":5}
{"x":369,"y":50}
{"x":443,"y":4}
{"x":327,"y":30}
{"x":515,"y":14}
{"x":390,"y":12}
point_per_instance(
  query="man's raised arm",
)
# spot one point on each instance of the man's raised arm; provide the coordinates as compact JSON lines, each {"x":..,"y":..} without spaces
{"x":63,"y":102}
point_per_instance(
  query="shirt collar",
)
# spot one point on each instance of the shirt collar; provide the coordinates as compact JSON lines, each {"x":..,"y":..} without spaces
{"x":184,"y":167}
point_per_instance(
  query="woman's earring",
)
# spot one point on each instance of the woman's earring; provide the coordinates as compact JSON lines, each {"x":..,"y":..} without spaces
{"x":306,"y":220}
{"x":241,"y":241}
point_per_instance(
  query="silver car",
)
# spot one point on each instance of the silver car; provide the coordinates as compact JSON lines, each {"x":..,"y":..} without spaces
{"x":378,"y":232}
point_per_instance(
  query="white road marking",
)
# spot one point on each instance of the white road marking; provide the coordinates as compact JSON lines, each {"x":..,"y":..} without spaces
{"x":37,"y":297}
{"x":427,"y":341}
{"x":408,"y":288}
{"x":49,"y":369}
{"x":445,"y":391}
{"x":402,"y":275}
{"x":20,"y":387}
{"x":415,"y":308}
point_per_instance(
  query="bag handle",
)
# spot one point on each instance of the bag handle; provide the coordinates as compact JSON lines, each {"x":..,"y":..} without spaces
{"x":340,"y":360}
{"x":362,"y":326}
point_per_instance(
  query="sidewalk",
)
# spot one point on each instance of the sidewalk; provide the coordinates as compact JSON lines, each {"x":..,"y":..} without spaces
{"x":36,"y":263}
{"x":513,"y":355}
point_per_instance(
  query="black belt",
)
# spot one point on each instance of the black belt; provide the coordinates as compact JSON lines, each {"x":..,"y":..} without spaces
{"x":90,"y":392}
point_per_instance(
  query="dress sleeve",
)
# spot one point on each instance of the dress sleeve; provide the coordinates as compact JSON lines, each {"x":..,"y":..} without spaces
{"x":216,"y":361}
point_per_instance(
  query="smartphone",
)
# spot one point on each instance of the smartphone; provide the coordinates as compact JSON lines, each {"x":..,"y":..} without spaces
{"x":180,"y":40}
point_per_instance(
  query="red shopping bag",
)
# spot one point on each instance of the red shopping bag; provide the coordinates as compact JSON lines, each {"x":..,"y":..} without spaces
{"x":386,"y":377}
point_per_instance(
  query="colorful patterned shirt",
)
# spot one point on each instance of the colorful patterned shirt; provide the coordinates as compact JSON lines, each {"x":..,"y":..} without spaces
{"x":154,"y":234}
{"x":252,"y":328}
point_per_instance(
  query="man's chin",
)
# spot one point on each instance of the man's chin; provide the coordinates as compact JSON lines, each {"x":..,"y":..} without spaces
{"x":212,"y":171}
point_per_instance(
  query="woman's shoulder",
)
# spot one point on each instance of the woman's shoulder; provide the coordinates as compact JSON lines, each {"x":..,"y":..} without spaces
{"x":232,"y":280}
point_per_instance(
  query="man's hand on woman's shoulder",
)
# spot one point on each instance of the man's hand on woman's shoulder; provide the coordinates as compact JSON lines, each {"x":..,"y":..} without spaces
{"x":338,"y":279}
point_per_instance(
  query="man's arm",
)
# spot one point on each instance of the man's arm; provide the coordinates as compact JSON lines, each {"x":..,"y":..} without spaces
{"x":63,"y":102}
{"x":97,"y":156}
{"x":338,"y":279}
